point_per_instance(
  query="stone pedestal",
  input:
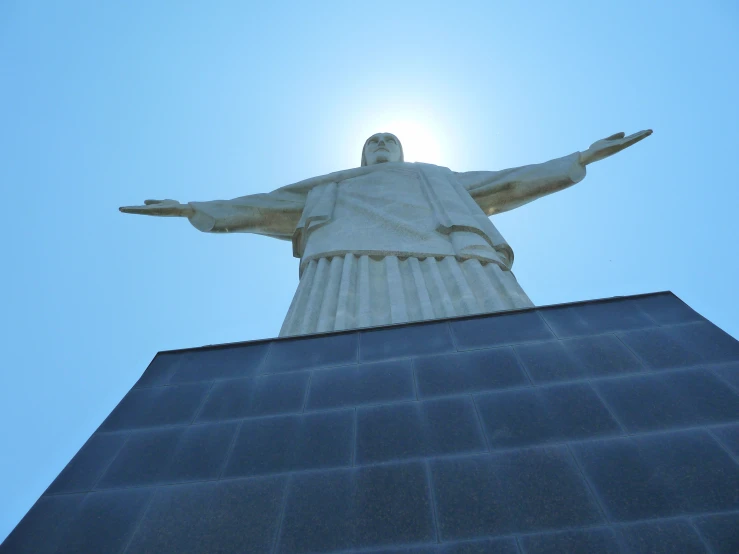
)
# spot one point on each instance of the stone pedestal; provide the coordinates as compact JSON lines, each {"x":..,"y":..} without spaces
{"x":604,"y":426}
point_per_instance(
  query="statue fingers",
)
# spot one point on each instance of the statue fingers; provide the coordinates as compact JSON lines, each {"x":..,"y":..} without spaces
{"x":135,"y":209}
{"x":607,"y":141}
{"x":152,"y":209}
{"x":636,"y":137}
{"x":165,"y":201}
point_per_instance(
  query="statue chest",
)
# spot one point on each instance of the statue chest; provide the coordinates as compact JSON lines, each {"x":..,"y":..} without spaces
{"x":396,"y":193}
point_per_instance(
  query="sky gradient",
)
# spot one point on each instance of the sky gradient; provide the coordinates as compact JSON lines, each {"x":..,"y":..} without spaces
{"x":106,"y":104}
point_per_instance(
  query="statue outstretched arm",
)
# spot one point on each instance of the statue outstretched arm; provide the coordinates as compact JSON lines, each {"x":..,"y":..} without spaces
{"x":275,"y":214}
{"x":500,"y":191}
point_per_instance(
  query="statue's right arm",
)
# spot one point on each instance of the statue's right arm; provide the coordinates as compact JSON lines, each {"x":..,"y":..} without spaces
{"x":275,"y":214}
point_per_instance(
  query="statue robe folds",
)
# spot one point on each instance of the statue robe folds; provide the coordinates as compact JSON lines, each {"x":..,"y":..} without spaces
{"x":391,"y":243}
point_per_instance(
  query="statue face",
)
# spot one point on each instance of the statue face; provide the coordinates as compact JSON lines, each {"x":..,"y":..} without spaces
{"x":382,"y":148}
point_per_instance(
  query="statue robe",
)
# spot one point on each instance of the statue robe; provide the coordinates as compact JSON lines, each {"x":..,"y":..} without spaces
{"x":393,"y":242}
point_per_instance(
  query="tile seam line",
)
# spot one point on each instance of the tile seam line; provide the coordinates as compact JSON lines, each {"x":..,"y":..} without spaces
{"x":621,"y":329}
{"x":635,"y":434}
{"x":520,"y":363}
{"x":432,"y":499}
{"x":414,"y":376}
{"x":344,"y":408}
{"x":203,"y":402}
{"x":452,"y":336}
{"x":355,"y":436}
{"x":712,"y":371}
{"x":609,"y":409}
{"x":211,"y":480}
{"x":109,"y":464}
{"x":261,"y":369}
{"x":281,"y":516}
{"x":549,"y":327}
{"x":649,"y":316}
{"x":599,"y":525}
{"x":307,"y":392}
{"x":229,"y":451}
{"x":645,"y":367}
{"x":257,"y":342}
{"x":701,"y":538}
{"x":721,"y":444}
{"x":140,"y":521}
{"x":593,"y":492}
{"x":480,"y":422}
{"x":517,"y":535}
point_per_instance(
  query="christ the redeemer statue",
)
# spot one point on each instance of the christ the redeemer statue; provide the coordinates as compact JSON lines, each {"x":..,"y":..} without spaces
{"x":390,"y":241}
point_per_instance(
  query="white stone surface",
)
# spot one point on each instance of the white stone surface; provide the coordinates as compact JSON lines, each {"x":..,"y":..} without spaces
{"x":391,"y":241}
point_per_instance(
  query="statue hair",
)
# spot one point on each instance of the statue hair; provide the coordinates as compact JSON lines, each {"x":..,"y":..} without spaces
{"x":364,"y":158}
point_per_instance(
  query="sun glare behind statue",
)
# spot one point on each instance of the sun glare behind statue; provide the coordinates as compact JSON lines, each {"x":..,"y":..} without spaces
{"x":422,"y":142}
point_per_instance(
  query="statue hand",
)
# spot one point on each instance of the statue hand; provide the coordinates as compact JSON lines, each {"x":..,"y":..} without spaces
{"x":165,"y":208}
{"x":610,"y":145}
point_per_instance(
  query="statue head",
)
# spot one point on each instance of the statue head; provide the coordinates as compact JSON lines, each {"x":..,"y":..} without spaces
{"x":382,"y":148}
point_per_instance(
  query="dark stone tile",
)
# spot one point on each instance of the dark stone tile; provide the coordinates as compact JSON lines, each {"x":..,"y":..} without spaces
{"x":596,"y":317}
{"x":289,"y":443}
{"x":362,"y":384}
{"x":662,"y":537}
{"x":201,"y":452}
{"x":486,"y":546}
{"x":392,"y":504}
{"x":660,"y":475}
{"x":580,"y":358}
{"x":243,"y":516}
{"x":318,"y":512}
{"x":497,"y":330}
{"x":729,"y":373}
{"x":729,"y":437}
{"x":144,"y":458}
{"x":88,"y":465}
{"x":173,"y":521}
{"x":263,"y":395}
{"x":357,"y":508}
{"x":474,"y":371}
{"x":299,"y":354}
{"x":160,"y":370}
{"x":105,"y":522}
{"x":669,"y":399}
{"x":522,"y":491}
{"x":409,"y":550}
{"x":170,"y":455}
{"x":544,"y":414}
{"x":228,"y":516}
{"x":156,"y":406}
{"x":417,"y":429}
{"x":713,"y":344}
{"x":601,"y":540}
{"x":45,"y":524}
{"x":659,"y":349}
{"x":221,"y":363}
{"x":682,"y":345}
{"x":720,"y":531}
{"x":413,"y":340}
{"x":666,"y":309}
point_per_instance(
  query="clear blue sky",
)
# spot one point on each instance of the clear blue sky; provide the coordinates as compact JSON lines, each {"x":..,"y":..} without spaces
{"x":107,"y":103}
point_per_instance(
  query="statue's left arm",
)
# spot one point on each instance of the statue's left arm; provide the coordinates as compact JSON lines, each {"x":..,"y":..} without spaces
{"x":500,"y":191}
{"x":273,"y":214}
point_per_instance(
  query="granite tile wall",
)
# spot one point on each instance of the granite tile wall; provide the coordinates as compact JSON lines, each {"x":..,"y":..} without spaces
{"x":607,"y":426}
